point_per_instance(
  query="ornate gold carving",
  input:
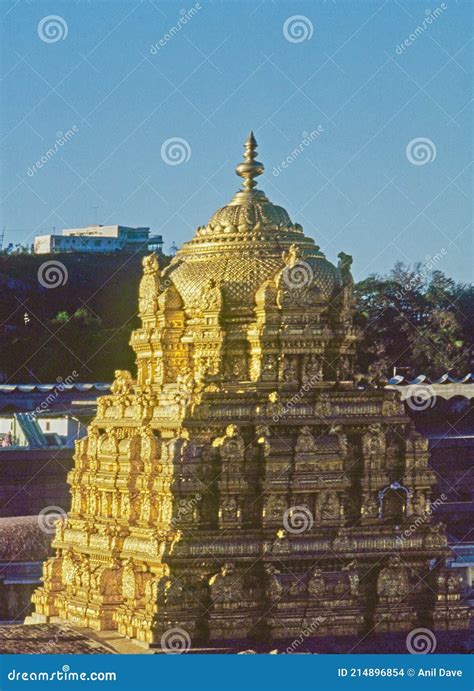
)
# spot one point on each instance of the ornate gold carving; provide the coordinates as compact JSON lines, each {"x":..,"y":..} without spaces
{"x":149,"y":287}
{"x":393,"y":583}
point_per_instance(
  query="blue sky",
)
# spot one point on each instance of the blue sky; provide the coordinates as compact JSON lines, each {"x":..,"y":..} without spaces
{"x":229,"y":68}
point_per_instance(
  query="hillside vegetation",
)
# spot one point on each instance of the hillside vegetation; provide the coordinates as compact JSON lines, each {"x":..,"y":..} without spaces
{"x":421,"y":323}
{"x":83,"y":324}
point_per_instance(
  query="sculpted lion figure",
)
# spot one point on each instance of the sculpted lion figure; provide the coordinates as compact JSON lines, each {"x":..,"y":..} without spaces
{"x":345,"y":262}
{"x":122,"y":383}
{"x":150,"y":264}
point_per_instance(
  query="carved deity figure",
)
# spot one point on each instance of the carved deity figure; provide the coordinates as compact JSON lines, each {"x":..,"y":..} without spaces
{"x":292,"y":255}
{"x":329,"y":506}
{"x":212,"y":296}
{"x":312,"y":368}
{"x":229,"y":509}
{"x":322,"y":406}
{"x":454,"y":583}
{"x":275,"y":507}
{"x":370,"y":507}
{"x":232,"y":445}
{"x":353,"y":574}
{"x":344,"y":368}
{"x":275,"y":587}
{"x":305,"y":442}
{"x":281,"y":543}
{"x":290,"y":369}
{"x":436,"y":536}
{"x":174,"y":591}
{"x":343,"y":541}
{"x":149,"y":286}
{"x":269,"y":364}
{"x":128,"y":580}
{"x":393,"y":582}
{"x":224,"y":586}
{"x":145,"y":508}
{"x":166,"y":507}
{"x":418,"y":503}
{"x":316,"y":584}
{"x":184,"y":382}
{"x":236,"y":367}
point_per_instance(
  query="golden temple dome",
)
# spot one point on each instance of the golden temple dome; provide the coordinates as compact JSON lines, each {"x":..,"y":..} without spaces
{"x":244,"y":244}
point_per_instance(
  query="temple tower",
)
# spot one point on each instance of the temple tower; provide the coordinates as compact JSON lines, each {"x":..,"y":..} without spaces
{"x":241,"y":485}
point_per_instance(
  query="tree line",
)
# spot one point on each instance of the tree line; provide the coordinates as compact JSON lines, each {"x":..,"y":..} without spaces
{"x":419,"y":323}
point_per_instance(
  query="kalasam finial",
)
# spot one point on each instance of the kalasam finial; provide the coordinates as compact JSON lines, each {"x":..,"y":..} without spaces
{"x":250,"y":168}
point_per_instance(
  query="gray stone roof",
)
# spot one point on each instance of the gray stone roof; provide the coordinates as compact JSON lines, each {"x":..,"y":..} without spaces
{"x":47,"y":639}
{"x":25,"y":538}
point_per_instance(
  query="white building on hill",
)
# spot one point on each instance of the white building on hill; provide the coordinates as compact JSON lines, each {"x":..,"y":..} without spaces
{"x":98,"y":239}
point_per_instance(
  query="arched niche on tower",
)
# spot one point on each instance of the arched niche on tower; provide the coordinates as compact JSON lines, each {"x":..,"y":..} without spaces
{"x":393,"y":502}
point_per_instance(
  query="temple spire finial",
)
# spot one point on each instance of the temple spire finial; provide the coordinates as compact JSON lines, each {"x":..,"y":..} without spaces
{"x":250,"y":168}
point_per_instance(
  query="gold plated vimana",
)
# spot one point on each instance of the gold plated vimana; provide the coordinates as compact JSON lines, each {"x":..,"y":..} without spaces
{"x":242,"y":486}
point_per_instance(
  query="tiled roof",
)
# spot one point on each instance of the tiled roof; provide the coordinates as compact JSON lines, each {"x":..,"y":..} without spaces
{"x":44,"y":388}
{"x":24,"y":538}
{"x":423,"y":379}
{"x":424,"y":389}
{"x":48,"y":639}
